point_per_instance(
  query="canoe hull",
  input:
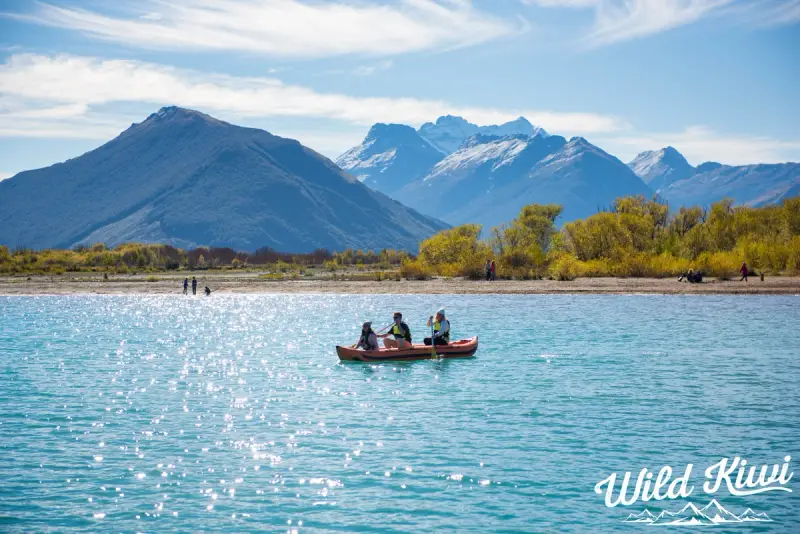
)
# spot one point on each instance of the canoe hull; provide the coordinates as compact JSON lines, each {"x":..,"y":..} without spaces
{"x":463,"y":348}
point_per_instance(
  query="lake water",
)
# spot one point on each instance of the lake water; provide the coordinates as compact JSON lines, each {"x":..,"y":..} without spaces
{"x":232,"y":413}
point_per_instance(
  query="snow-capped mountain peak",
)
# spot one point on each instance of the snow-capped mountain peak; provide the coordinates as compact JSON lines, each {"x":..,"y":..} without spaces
{"x":390,"y":156}
{"x":659,"y":168}
{"x":480,"y":149}
{"x":449,"y":132}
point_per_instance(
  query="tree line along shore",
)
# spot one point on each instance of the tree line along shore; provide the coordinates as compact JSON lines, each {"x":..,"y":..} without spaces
{"x":636,"y":237}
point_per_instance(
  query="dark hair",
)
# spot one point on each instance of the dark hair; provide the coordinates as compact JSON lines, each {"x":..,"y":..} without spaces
{"x":397,"y":314}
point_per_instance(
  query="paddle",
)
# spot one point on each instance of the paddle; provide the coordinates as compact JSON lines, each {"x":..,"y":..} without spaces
{"x":433,"y":342}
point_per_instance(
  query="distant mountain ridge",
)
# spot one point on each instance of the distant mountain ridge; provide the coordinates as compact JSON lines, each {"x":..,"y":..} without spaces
{"x":489,"y":179}
{"x":391,"y":156}
{"x":188,"y":179}
{"x":670,"y":175}
{"x":449,"y":132}
{"x":658,"y":168}
{"x":394,"y":155}
{"x":462,"y":172}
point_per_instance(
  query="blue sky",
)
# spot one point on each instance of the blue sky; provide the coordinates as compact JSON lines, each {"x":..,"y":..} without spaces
{"x":717,"y":79}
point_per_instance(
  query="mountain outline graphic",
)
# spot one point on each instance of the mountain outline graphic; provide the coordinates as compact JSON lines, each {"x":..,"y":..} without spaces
{"x":712,"y":513}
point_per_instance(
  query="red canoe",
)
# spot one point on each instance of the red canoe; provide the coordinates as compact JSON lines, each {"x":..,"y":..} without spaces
{"x":463,"y":348}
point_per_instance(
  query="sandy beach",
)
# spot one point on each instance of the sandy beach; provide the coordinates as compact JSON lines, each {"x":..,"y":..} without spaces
{"x":252,"y":282}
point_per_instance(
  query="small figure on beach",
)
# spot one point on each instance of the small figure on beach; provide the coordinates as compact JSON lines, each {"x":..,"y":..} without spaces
{"x":186,"y":286}
{"x":488,"y":269}
{"x":368,"y":339}
{"x":194,"y":286}
{"x":441,"y":329}
{"x":401,"y":333}
{"x":692,"y":277}
{"x":493,"y":271}
{"x":743,"y":269}
{"x":208,"y":291}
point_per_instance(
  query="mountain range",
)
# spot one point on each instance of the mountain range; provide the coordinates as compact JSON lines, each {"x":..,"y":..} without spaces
{"x":668,"y":173}
{"x":184,"y":178}
{"x":461,"y":172}
{"x":486,"y":174}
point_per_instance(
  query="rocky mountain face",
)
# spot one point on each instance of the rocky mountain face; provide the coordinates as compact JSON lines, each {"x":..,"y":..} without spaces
{"x":391,"y":156}
{"x":489,"y":179}
{"x":184,"y":178}
{"x":670,"y":175}
{"x":449,"y":132}
{"x":749,"y":185}
{"x":659,"y":168}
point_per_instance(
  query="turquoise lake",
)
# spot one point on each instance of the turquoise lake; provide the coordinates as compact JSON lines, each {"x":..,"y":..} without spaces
{"x":233,"y":413}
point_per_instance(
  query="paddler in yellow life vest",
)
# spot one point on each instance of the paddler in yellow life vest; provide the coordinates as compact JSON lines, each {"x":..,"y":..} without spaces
{"x":401,"y":333}
{"x":441,"y":329}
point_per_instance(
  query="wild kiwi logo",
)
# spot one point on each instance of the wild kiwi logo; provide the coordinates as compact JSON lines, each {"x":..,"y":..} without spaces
{"x":739,"y":478}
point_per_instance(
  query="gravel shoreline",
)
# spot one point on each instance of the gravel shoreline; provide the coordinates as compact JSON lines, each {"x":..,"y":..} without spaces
{"x":252,"y":283}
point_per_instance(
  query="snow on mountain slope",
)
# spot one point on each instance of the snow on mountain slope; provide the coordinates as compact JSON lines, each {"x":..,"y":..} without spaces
{"x":391,"y":156}
{"x":480,"y":149}
{"x":578,"y":175}
{"x":750,"y":185}
{"x":449,"y":132}
{"x":659,"y":168}
{"x":482,"y":164}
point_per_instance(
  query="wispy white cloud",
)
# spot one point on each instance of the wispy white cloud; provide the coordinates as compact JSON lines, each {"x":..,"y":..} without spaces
{"x":69,"y":97}
{"x":367,"y":70}
{"x":31,"y":84}
{"x":766,"y":13}
{"x":293,"y":28}
{"x":637,"y":18}
{"x":622,"y":20}
{"x":700,"y":143}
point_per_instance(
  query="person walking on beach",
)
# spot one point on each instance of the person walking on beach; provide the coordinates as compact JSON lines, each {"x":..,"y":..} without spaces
{"x":744,"y":271}
{"x":493,"y":271}
{"x":186,"y":286}
{"x":194,"y":286}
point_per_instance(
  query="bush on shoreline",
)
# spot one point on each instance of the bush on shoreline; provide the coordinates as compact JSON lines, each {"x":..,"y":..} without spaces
{"x":637,"y":237}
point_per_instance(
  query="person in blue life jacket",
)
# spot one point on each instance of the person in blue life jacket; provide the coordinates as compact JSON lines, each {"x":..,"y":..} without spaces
{"x":401,"y":333}
{"x":368,"y":340}
{"x":441,"y":329}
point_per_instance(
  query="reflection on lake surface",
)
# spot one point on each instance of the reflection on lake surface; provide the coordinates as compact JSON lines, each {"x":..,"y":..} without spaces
{"x":233,"y":413}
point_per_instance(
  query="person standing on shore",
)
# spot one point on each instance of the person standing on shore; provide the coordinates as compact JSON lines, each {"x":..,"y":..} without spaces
{"x":493,"y":270}
{"x":488,"y":269}
{"x":186,"y":286}
{"x":744,"y":271}
{"x":194,"y":286}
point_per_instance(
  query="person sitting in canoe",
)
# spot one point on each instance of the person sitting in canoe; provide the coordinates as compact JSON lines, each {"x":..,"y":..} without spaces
{"x":368,"y":341}
{"x":401,"y":333}
{"x":441,"y":329}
